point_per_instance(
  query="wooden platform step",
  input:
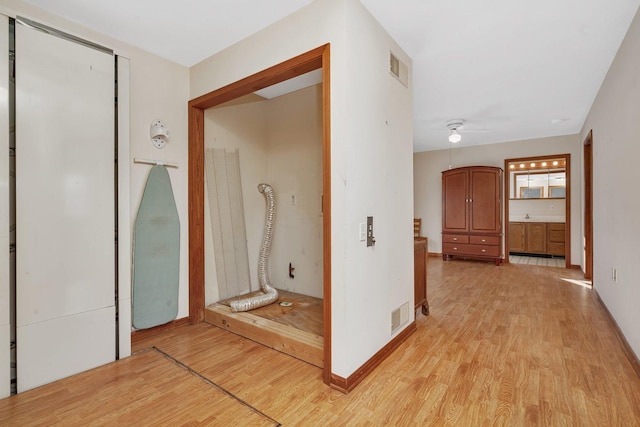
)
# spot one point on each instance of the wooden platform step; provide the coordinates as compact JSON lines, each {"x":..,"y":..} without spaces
{"x":300,"y":344}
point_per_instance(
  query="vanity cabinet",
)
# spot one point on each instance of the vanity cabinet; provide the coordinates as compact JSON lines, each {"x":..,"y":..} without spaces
{"x":536,"y":237}
{"x":517,"y":233}
{"x":472,"y":213}
{"x":544,"y":238}
{"x":556,"y":239}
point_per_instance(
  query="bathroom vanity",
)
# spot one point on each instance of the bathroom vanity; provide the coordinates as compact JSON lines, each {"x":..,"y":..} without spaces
{"x":542,"y":238}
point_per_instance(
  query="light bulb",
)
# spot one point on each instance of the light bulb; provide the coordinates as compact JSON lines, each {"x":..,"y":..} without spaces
{"x":454,"y":136}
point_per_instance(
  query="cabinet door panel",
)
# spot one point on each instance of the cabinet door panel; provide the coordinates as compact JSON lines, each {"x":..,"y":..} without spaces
{"x":516,"y":237}
{"x":485,"y":201}
{"x":537,"y":237}
{"x":454,"y":201}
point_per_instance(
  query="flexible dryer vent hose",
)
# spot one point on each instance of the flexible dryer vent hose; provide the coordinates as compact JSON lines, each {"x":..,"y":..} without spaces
{"x":270,"y":294}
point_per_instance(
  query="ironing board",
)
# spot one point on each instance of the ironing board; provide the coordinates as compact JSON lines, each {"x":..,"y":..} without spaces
{"x":156,"y":253}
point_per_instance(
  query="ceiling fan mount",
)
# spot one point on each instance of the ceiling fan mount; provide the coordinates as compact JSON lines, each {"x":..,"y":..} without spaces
{"x":455,"y":124}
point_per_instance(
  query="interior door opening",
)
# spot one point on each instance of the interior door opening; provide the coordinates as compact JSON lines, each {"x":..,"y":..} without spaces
{"x":315,"y":59}
{"x":538,"y":210}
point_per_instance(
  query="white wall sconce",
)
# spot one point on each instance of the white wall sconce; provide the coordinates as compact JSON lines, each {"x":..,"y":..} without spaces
{"x":159,"y":134}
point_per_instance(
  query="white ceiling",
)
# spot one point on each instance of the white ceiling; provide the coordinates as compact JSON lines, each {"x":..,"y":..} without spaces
{"x":510,"y":69}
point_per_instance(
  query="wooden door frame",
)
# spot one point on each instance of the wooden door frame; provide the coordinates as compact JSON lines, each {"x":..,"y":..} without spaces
{"x":507,"y":183}
{"x":301,"y":64}
{"x":588,"y":205}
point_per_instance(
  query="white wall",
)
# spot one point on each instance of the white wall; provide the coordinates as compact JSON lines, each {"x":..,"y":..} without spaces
{"x":295,"y":169}
{"x":371,"y":168}
{"x":158,"y":89}
{"x":280,"y":143}
{"x":616,"y":231}
{"x":428,"y":166}
{"x":540,"y":210}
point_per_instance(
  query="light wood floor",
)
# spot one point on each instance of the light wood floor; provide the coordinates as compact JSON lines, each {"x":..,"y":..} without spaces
{"x":511,"y":345}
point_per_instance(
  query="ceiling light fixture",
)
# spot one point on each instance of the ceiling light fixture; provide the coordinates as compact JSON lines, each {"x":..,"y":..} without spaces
{"x":454,"y":136}
{"x":453,"y":126}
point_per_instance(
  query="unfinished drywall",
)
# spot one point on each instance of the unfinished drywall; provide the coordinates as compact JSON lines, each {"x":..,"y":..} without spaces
{"x":295,"y":173}
{"x":614,"y":120}
{"x":371,"y":162}
{"x":240,"y":125}
{"x":428,"y":167}
{"x":280,"y":143}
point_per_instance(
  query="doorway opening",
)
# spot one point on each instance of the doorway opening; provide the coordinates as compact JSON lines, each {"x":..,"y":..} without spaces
{"x":538,"y":210}
{"x":588,"y":206}
{"x":313,"y":60}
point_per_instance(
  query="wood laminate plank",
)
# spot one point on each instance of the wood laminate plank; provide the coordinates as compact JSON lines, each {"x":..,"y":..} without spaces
{"x":510,"y":346}
{"x":145,"y":389}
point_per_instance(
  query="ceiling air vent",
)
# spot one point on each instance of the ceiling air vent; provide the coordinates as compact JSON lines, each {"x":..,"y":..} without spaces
{"x":398,"y":69}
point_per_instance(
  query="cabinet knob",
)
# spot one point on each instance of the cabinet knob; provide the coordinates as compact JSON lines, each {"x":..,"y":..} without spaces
{"x":484,"y":250}
{"x":483,"y":240}
{"x":455,"y":249}
{"x":455,"y":239}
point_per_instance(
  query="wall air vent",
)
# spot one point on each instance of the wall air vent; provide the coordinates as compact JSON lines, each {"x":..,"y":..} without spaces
{"x":398,"y":69}
{"x":399,"y":316}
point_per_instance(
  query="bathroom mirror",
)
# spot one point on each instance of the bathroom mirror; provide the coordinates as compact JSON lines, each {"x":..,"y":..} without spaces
{"x":538,"y":180}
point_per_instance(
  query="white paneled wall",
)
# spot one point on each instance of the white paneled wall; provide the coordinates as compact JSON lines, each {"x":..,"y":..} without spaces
{"x":65,"y":264}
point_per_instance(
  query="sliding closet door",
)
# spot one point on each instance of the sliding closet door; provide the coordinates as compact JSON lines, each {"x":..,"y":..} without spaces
{"x":65,"y":257}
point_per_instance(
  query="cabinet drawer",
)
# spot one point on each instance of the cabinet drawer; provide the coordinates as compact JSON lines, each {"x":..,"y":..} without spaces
{"x":484,"y":240}
{"x":555,"y":249}
{"x":475,"y":250}
{"x":556,"y":226}
{"x":556,"y":236}
{"x":455,"y":238}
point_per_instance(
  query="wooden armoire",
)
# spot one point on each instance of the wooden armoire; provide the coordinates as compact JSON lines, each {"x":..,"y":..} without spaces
{"x":472,"y":213}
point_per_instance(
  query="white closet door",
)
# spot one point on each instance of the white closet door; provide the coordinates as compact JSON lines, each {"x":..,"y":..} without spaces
{"x":64,"y":207}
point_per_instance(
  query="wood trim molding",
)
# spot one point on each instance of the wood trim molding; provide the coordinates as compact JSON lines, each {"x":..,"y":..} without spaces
{"x":345,"y":385}
{"x":326,"y":210}
{"x":626,"y":348}
{"x":142,"y":334}
{"x":301,"y":64}
{"x":196,"y":214}
{"x":286,"y":70}
{"x":587,"y":151}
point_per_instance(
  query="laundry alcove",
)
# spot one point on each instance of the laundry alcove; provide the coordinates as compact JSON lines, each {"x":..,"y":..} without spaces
{"x":275,"y":140}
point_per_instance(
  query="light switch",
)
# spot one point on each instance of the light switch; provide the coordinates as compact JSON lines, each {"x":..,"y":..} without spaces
{"x":363,"y":232}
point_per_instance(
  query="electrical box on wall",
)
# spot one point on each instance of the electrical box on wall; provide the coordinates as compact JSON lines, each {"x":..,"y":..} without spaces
{"x":370,"y":239}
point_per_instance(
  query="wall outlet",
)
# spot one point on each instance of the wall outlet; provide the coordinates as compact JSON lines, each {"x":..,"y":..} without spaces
{"x":363,"y":232}
{"x":294,"y":199}
{"x":614,"y":275}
